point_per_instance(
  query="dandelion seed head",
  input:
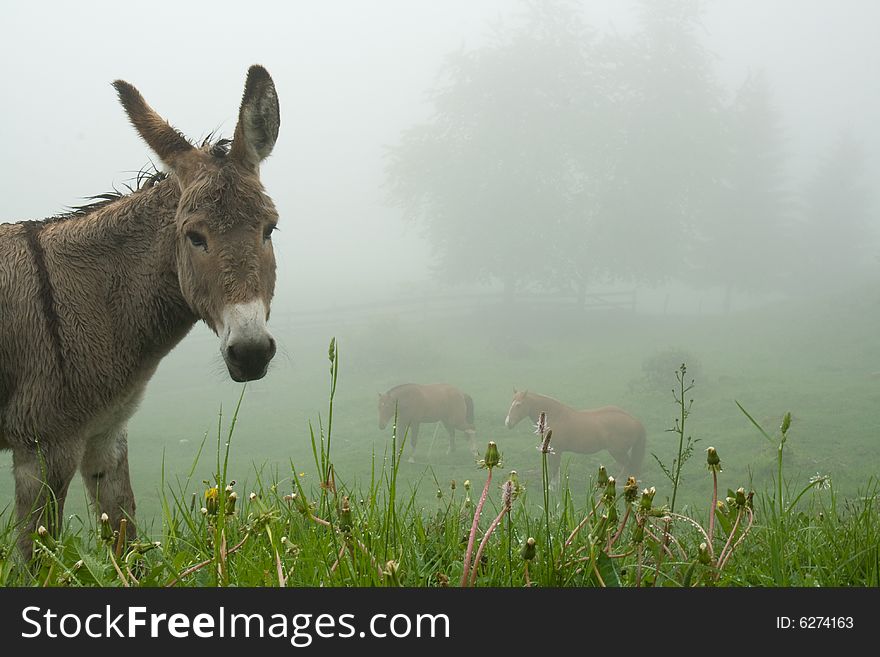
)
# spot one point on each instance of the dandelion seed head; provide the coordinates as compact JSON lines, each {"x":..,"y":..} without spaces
{"x":541,"y":425}
{"x":820,"y":481}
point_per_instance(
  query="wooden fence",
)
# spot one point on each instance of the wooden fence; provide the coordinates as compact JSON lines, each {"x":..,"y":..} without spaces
{"x":455,"y":305}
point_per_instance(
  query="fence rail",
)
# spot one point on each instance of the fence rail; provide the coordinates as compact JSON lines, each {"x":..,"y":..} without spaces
{"x":450,"y":305}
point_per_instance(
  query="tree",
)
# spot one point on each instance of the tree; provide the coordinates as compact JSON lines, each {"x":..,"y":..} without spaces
{"x":668,"y":167}
{"x":491,"y":175}
{"x":742,"y":245}
{"x":554,"y":157}
{"x":837,"y":242}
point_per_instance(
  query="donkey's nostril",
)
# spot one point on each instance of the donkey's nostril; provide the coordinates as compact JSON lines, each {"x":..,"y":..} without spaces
{"x":272,"y":348}
{"x":247,"y":360}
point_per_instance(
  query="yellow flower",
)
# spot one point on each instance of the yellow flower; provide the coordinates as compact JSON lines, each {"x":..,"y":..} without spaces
{"x":211,"y":497}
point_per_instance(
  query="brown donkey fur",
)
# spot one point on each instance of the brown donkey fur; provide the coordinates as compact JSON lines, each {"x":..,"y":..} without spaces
{"x":90,"y":302}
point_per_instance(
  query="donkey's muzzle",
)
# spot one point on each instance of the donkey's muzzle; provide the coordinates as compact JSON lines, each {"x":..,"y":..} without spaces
{"x":248,"y":360}
{"x":246,"y":345}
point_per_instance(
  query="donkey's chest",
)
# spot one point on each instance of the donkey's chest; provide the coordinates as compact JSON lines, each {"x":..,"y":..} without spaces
{"x":113,"y":415}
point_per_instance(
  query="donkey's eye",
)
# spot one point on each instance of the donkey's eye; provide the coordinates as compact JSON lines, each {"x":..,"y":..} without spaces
{"x":267,"y":233}
{"x":197,"y":239}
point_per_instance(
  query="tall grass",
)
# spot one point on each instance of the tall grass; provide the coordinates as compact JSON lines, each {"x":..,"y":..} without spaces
{"x":292,"y":530}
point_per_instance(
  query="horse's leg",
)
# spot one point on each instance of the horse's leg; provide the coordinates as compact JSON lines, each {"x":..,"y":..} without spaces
{"x":41,"y":481}
{"x":451,"y":431}
{"x":553,"y":461}
{"x":413,"y":437}
{"x":621,"y":457}
{"x":104,"y":469}
{"x":637,"y":455}
{"x":472,"y":440}
{"x":471,"y":434}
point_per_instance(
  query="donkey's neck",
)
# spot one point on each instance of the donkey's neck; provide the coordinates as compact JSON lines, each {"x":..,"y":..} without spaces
{"x":113,"y":280}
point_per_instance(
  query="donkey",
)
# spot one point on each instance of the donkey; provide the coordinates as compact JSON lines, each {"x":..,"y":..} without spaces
{"x":584,"y":432}
{"x":434,"y":402}
{"x":92,"y":300}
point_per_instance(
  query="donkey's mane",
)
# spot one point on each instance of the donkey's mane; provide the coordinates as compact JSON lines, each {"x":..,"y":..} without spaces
{"x":145,"y":178}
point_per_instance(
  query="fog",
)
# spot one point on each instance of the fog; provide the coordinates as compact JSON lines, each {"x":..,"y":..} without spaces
{"x":473,"y":170}
{"x":352,"y":79}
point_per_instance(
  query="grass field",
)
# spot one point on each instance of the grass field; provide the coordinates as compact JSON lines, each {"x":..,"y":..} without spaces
{"x":820,"y":362}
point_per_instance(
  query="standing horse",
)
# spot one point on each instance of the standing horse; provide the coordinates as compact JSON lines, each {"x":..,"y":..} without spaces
{"x":435,"y":402}
{"x":584,"y":432}
{"x":91,"y":301}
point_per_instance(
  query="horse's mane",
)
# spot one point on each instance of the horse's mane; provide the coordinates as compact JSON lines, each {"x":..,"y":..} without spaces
{"x":531,"y":394}
{"x":398,"y":387}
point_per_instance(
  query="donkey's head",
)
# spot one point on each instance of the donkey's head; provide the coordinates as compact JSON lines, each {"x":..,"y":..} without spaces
{"x":225,"y":220}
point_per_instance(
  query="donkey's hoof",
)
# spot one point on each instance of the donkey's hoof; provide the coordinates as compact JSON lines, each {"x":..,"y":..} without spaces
{"x":410,"y":460}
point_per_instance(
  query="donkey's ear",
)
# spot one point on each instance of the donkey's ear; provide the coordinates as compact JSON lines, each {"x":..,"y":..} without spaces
{"x":258,"y":119}
{"x":168,"y":143}
{"x":514,"y":390}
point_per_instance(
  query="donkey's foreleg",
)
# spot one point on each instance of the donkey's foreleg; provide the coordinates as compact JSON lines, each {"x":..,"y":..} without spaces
{"x":104,"y":469}
{"x":42,"y":477}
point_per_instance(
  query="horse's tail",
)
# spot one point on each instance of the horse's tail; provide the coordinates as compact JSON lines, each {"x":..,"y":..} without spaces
{"x":469,"y":411}
{"x":637,"y":453}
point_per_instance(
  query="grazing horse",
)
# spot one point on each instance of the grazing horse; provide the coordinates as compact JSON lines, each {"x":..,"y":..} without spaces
{"x":584,"y":432}
{"x":91,"y":301}
{"x":435,"y":402}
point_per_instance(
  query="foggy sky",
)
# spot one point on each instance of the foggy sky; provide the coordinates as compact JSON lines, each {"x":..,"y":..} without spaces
{"x":351,"y":76}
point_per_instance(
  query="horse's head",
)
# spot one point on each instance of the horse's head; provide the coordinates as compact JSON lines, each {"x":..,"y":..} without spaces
{"x":517,"y":410}
{"x":386,"y":409}
{"x":224,"y":222}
